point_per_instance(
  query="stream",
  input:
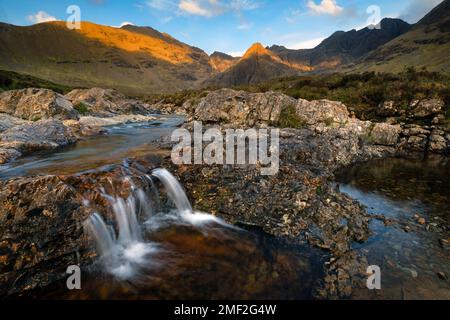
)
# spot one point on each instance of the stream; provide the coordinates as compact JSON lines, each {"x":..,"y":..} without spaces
{"x":170,"y":251}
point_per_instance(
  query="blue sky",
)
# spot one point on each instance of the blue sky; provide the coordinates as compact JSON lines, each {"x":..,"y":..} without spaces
{"x":229,"y":26}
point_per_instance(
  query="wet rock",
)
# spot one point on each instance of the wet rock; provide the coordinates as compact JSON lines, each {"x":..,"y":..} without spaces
{"x":115,"y":120}
{"x":442,"y":276}
{"x":36,"y":104}
{"x":421,"y":221}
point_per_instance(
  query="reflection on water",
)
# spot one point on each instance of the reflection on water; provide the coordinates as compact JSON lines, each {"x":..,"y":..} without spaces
{"x":128,"y":140}
{"x":409,"y":253}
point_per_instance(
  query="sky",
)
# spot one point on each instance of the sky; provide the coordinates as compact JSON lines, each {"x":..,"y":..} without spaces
{"x":229,"y":26}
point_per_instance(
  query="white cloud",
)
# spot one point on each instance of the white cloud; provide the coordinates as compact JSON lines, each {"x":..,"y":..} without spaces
{"x":211,"y":8}
{"x":40,"y":17}
{"x":161,"y":4}
{"x":197,"y":8}
{"x":325,"y":7}
{"x":305,"y":44}
{"x":125,"y":23}
{"x":236,"y":53}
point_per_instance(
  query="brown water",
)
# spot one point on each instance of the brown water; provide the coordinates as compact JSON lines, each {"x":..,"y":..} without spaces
{"x":409,"y":254}
{"x":211,"y":262}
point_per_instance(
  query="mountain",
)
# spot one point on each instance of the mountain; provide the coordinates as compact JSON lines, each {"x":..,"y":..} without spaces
{"x":344,"y":47}
{"x":427,"y":44}
{"x":135,"y":60}
{"x":222,"y":61}
{"x":257,"y":65}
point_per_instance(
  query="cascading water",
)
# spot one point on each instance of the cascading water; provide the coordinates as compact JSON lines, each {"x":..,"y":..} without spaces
{"x":123,"y":255}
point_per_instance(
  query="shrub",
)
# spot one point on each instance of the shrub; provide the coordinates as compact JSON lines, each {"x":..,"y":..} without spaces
{"x":290,"y":119}
{"x":82,"y":108}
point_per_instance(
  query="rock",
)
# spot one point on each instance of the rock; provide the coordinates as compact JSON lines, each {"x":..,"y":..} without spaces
{"x":8,"y":154}
{"x":385,"y":134}
{"x":442,"y":276}
{"x":427,"y":107}
{"x":421,"y":221}
{"x":36,"y":104}
{"x":437,"y":143}
{"x":387,"y":109}
{"x":105,"y":102}
{"x":120,"y":119}
{"x":41,"y":135}
{"x":322,"y":111}
{"x":239,"y":107}
{"x":7,"y":121}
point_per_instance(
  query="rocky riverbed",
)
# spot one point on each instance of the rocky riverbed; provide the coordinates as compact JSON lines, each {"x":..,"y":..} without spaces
{"x":41,"y":217}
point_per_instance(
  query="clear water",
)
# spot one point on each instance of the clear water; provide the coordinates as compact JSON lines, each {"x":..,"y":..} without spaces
{"x":410,"y":254}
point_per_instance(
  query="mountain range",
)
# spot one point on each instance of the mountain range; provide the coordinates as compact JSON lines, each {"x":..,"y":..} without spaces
{"x":141,"y":60}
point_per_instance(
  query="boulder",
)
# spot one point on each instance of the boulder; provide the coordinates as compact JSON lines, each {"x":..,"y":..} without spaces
{"x":427,"y":107}
{"x":239,"y":107}
{"x":105,"y":102}
{"x":43,"y":134}
{"x":385,"y":134}
{"x":7,"y":121}
{"x":322,"y":111}
{"x":36,"y":104}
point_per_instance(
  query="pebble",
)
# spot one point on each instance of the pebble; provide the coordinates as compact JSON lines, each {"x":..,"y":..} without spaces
{"x":442,"y":276}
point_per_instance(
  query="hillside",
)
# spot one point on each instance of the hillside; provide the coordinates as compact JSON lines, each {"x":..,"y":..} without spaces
{"x":132,"y":59}
{"x":257,"y":65}
{"x":344,"y":47}
{"x":222,"y":61}
{"x":427,"y":44}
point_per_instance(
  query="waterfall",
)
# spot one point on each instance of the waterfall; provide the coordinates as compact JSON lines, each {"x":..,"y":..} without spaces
{"x":174,"y":190}
{"x":127,"y":251}
{"x":103,"y":237}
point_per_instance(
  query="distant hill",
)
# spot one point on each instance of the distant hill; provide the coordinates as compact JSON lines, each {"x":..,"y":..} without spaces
{"x":344,"y":47}
{"x":135,"y":60}
{"x":143,"y":61}
{"x":222,"y":61}
{"x":257,"y":65}
{"x":427,"y":44}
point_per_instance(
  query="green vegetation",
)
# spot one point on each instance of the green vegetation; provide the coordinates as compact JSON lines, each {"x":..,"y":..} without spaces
{"x":82,"y":108}
{"x":363,"y":92}
{"x":177,"y":98}
{"x":290,"y":119}
{"x":11,"y":80}
{"x":36,"y":118}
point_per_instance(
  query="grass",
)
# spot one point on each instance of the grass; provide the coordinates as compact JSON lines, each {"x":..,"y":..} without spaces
{"x":290,"y":119}
{"x":10,"y":80}
{"x":82,"y":108}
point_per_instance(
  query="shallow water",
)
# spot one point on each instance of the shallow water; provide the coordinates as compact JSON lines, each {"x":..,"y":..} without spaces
{"x":409,"y":254}
{"x":122,"y":141}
